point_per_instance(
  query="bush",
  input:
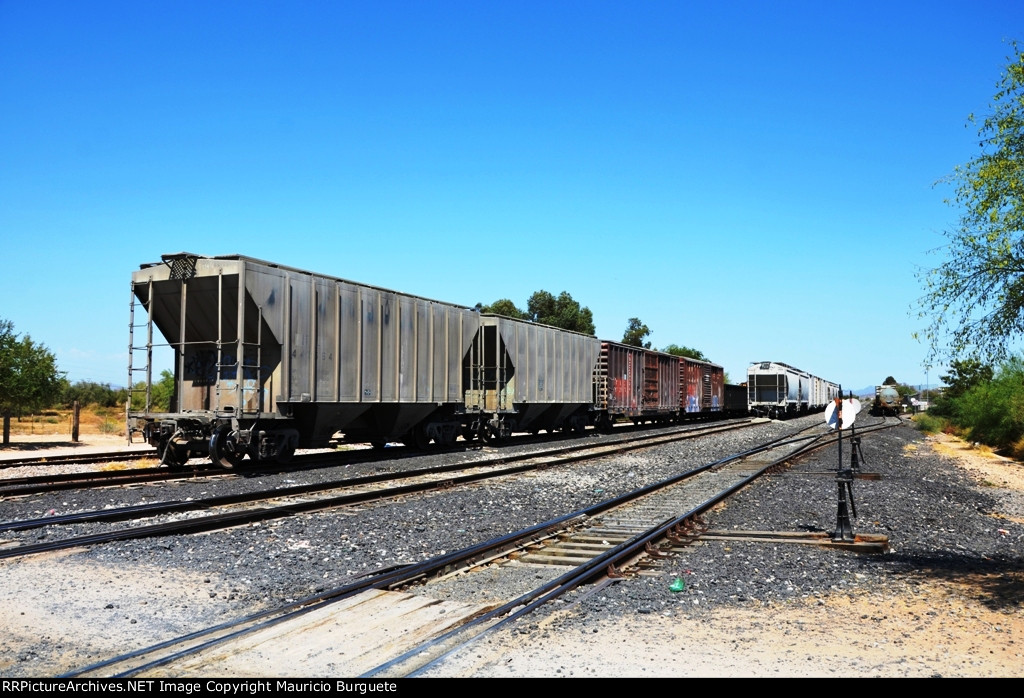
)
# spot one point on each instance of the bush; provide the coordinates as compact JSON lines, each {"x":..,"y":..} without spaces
{"x":109,"y":426}
{"x":161,"y":393}
{"x":993,"y":412}
{"x":89,"y":393}
{"x":930,"y":424}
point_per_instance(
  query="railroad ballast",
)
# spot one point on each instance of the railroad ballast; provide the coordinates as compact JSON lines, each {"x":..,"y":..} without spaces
{"x":269,"y":358}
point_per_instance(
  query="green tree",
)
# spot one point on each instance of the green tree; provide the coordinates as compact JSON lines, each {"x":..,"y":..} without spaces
{"x":546,"y":309}
{"x":964,"y":375}
{"x":562,"y":312}
{"x":677,"y":350}
{"x":90,"y":393}
{"x":974,"y":301}
{"x":906,"y":390}
{"x":992,"y":411}
{"x":161,"y":393}
{"x":29,"y":378}
{"x":503,"y":307}
{"x":635,"y":333}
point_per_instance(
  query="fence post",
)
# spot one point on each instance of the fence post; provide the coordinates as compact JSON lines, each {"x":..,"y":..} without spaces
{"x":74,"y":422}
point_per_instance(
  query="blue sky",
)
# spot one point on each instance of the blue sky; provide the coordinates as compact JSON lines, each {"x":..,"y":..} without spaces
{"x":752,"y":179}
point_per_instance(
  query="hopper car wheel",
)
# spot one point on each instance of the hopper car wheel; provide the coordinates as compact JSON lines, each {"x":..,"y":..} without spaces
{"x":492,"y":434}
{"x":224,"y":447}
{"x":378,"y":445}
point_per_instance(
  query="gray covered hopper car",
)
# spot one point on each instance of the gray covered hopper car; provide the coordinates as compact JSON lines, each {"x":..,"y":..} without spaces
{"x":268,"y":359}
{"x":776,"y":389}
{"x":525,"y":377}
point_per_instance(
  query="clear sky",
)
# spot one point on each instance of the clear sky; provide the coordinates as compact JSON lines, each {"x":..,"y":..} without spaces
{"x":752,"y":179}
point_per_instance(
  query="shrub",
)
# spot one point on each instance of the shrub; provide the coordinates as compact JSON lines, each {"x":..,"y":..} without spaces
{"x":930,"y":424}
{"x":993,"y":412}
{"x":90,"y":393}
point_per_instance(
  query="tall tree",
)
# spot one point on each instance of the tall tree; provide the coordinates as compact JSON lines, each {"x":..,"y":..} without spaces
{"x":503,"y":307}
{"x":29,"y":378}
{"x":562,"y":312}
{"x":688,"y":352}
{"x":545,"y":308}
{"x":635,"y":333}
{"x":974,"y":301}
{"x":964,"y":375}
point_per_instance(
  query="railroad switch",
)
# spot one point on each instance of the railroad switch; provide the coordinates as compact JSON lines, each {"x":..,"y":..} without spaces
{"x":856,"y":455}
{"x":844,"y":526}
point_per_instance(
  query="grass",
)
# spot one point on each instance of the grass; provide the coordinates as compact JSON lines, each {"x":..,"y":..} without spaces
{"x":91,"y":420}
{"x":931,"y":424}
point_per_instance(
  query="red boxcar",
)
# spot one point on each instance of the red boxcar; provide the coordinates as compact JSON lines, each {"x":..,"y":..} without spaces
{"x":702,"y":387}
{"x":636,"y":383}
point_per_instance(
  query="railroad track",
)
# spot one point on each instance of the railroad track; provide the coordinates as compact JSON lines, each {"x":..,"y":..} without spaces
{"x":632,"y":527}
{"x":77,"y":459}
{"x":290,"y":501}
{"x":15,"y":486}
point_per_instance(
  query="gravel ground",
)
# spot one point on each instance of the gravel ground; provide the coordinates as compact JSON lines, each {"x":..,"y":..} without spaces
{"x":946,"y":600}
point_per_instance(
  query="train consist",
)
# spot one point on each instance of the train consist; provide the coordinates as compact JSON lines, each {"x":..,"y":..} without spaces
{"x":268,"y":359}
{"x":888,"y":401}
{"x":778,"y":390}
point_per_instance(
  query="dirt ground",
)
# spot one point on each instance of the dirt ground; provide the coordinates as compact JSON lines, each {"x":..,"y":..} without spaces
{"x":938,"y":628}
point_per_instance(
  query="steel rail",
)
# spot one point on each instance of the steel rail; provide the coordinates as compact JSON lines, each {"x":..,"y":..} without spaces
{"x":75,"y":458}
{"x":223,"y":520}
{"x":36,"y":484}
{"x":536,"y":598}
{"x":465,"y":557}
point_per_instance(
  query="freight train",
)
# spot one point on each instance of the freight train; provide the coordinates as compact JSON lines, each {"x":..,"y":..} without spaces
{"x":888,"y":401}
{"x":268,"y":359}
{"x":778,"y":390}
